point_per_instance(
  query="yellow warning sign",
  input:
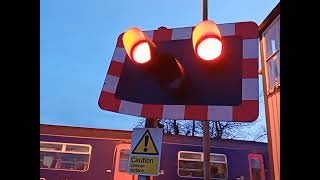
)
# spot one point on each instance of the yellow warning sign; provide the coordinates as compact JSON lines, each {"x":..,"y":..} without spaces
{"x":146,"y":145}
{"x":147,"y":165}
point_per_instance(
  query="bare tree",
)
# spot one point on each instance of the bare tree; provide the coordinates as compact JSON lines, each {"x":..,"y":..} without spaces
{"x":217,"y":129}
{"x":169,"y":126}
{"x":190,"y":127}
{"x":140,"y":123}
{"x":261,"y":135}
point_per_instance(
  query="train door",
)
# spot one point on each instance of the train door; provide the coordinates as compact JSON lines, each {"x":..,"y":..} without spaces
{"x":256,"y":167}
{"x":121,"y":163}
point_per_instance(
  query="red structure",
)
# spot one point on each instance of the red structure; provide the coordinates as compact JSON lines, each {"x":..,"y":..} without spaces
{"x":246,"y":110}
{"x":269,"y":33}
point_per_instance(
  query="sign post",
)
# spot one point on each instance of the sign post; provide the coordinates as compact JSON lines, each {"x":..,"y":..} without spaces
{"x":145,"y":151}
{"x":206,"y":136}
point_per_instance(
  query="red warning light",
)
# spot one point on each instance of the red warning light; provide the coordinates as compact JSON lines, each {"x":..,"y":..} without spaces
{"x":206,"y":40}
{"x":141,"y":53}
{"x":137,"y":45}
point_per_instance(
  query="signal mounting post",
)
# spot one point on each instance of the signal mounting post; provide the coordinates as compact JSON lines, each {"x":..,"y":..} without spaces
{"x":206,"y":136}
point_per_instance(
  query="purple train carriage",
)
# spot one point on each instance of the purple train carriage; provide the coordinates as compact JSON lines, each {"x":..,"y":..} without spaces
{"x":73,"y":153}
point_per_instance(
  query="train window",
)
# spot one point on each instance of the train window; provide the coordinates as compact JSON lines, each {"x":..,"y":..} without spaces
{"x":256,"y":165}
{"x":64,"y":156}
{"x":50,"y":146}
{"x":272,"y":53}
{"x":218,"y":166}
{"x":124,"y":158}
{"x":221,"y":158}
{"x":190,"y":164}
{"x":255,"y":169}
{"x":187,"y":155}
{"x":76,"y":148}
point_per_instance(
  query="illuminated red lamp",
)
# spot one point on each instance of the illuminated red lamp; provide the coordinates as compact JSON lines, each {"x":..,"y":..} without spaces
{"x":137,"y":45}
{"x":206,"y":40}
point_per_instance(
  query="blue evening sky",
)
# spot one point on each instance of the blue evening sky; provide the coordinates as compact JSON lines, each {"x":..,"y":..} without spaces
{"x":77,"y":40}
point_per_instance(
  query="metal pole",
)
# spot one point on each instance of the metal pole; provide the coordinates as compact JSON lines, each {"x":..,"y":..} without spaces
{"x":206,"y":151}
{"x":150,"y":123}
{"x":206,"y":136}
{"x":204,"y":9}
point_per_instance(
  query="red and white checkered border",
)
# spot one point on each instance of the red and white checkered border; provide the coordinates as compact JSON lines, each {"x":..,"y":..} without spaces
{"x":247,"y":111}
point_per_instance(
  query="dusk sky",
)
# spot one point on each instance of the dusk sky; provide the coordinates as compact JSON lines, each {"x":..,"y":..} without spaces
{"x":78,"y":37}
